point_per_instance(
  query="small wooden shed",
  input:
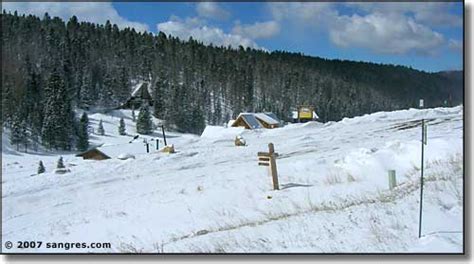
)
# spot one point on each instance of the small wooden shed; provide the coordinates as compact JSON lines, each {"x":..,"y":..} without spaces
{"x":304,"y":114}
{"x":94,"y":154}
{"x":119,"y":151}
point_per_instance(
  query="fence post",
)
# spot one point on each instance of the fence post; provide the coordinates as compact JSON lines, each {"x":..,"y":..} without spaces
{"x":392,"y":179}
{"x":164,"y":135}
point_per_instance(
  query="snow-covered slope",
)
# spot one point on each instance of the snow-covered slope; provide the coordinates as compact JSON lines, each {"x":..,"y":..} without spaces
{"x":211,"y":196}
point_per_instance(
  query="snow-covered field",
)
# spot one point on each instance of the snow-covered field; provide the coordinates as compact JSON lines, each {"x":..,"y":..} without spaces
{"x":211,"y":196}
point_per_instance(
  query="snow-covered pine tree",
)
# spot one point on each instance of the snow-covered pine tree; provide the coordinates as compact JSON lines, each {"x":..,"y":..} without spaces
{"x":82,"y":142}
{"x":41,"y":168}
{"x":85,"y":96}
{"x":16,"y":132}
{"x":60,"y":163}
{"x":58,"y":115}
{"x":123,"y":85}
{"x":25,"y":135}
{"x":144,"y":123}
{"x":100,"y":129}
{"x":121,"y":128}
{"x":159,"y":96}
{"x":197,"y":121}
{"x":8,"y":102}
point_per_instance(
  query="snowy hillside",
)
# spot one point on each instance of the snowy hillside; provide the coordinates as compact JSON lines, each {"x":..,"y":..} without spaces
{"x":211,"y":196}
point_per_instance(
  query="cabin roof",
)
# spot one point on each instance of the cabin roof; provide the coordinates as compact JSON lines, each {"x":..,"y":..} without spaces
{"x":254,"y":120}
{"x":139,"y":89}
{"x":267,"y":118}
{"x":250,"y":119}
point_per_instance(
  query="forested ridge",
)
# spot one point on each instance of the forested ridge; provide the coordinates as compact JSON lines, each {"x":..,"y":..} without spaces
{"x":51,"y":67}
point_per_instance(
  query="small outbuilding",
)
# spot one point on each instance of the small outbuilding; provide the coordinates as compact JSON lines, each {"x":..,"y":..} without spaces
{"x":94,"y":154}
{"x":304,"y":114}
{"x":256,"y":120}
{"x":119,"y":151}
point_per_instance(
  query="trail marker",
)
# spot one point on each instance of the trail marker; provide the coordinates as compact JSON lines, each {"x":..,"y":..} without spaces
{"x":268,"y":159}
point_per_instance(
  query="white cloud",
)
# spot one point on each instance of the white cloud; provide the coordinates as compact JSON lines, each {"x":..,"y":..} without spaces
{"x":309,"y":14}
{"x":212,"y":10}
{"x":196,"y":28}
{"x":95,"y":12}
{"x":455,"y":45}
{"x":389,"y":28}
{"x":385,"y":33}
{"x":428,"y":13}
{"x":258,"y":30}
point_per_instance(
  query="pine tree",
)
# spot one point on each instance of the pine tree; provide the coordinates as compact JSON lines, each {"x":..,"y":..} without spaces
{"x":60,"y":163}
{"x":100,"y":129}
{"x":58,"y":115}
{"x":144,"y":122}
{"x":16,"y":132}
{"x":25,"y":135}
{"x":197,"y":121}
{"x":85,"y":96}
{"x":41,"y":168}
{"x":121,"y":128}
{"x":82,"y":142}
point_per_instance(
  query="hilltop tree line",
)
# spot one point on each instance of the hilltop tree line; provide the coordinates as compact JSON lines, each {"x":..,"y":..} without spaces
{"x":51,"y":67}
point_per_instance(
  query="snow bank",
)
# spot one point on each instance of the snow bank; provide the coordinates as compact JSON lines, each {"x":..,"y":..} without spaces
{"x":214,"y":132}
{"x":215,"y":197}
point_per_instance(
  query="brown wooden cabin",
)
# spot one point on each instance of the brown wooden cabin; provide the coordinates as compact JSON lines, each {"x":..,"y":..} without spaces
{"x":93,"y":154}
{"x":141,"y":95}
{"x":256,"y":120}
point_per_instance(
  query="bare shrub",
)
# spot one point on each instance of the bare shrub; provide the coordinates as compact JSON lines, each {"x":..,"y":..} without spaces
{"x":332,"y":178}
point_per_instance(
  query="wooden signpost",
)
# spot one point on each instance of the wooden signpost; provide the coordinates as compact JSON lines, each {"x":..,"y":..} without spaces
{"x":268,"y":159}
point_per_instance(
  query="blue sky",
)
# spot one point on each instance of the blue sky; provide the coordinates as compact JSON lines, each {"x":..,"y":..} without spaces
{"x":425,"y":36}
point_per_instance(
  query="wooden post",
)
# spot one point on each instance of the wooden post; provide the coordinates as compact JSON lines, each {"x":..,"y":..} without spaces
{"x":164,"y":135}
{"x":392,"y":179}
{"x":157,"y":144}
{"x":273,"y":168}
{"x":268,"y":159}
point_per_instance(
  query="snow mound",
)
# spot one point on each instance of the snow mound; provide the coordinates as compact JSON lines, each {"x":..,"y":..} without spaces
{"x":213,"y":132}
{"x":125,"y":156}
